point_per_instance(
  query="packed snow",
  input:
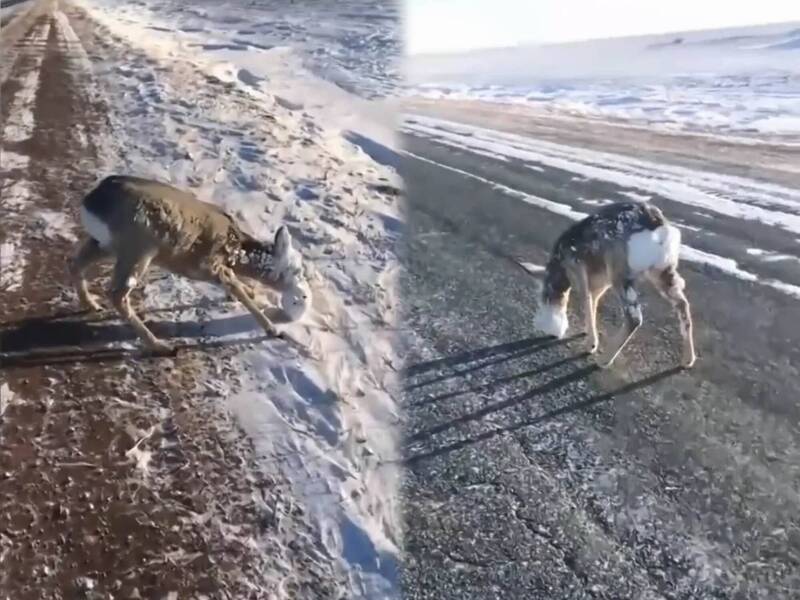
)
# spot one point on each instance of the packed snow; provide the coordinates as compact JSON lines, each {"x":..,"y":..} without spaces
{"x":742,"y":81}
{"x":226,"y":100}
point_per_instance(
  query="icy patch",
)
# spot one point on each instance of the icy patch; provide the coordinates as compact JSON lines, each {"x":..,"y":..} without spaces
{"x":12,"y":265}
{"x":17,"y":196}
{"x":555,"y":207}
{"x":6,"y":396}
{"x":637,"y":196}
{"x":10,"y":161}
{"x":768,"y":256}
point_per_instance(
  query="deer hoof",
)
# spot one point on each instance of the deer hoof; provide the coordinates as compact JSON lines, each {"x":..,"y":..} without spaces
{"x":604,"y":362}
{"x":159,"y":348}
{"x":91,"y":303}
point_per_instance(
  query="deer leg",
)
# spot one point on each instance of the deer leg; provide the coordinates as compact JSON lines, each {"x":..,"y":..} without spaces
{"x":671,"y":285}
{"x":88,"y":254}
{"x":238,"y":290}
{"x":633,"y":320}
{"x":127,"y":273}
{"x":589,"y":311}
{"x":248,"y":289}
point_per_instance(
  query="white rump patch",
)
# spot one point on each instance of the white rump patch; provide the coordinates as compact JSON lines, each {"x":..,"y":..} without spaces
{"x":95,"y":227}
{"x":656,"y":249}
{"x":552,"y":320}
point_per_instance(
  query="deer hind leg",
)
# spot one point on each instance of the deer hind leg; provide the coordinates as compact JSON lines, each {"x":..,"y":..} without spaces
{"x":633,"y":320}
{"x":589,"y":309}
{"x":671,"y":285}
{"x":234,"y":286}
{"x":88,"y":254}
{"x":127,"y":273}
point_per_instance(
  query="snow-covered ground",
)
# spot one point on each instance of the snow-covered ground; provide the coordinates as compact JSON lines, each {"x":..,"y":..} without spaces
{"x":223,"y":98}
{"x":338,"y":59}
{"x":743,"y":81}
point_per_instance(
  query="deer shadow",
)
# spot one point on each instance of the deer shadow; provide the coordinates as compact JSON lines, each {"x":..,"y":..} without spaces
{"x":575,"y":375}
{"x":61,"y":339}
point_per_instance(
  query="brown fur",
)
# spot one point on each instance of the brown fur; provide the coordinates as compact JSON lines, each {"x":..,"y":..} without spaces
{"x":153,"y":223}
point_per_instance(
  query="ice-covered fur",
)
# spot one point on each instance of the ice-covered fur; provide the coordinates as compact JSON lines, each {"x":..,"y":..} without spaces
{"x":654,"y":249}
{"x":612,"y":249}
{"x":551,"y":319}
{"x":291,"y":279}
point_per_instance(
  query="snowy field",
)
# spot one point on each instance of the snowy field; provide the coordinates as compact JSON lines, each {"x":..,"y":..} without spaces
{"x":742,"y":81}
{"x":273,"y":148}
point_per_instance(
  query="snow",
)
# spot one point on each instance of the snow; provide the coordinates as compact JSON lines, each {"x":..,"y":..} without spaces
{"x":555,"y":207}
{"x":213,"y":97}
{"x":720,"y":82}
{"x":336,"y":60}
{"x":56,"y":224}
{"x":12,"y":264}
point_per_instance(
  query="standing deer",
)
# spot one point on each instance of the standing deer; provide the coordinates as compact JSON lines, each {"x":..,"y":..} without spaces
{"x":613,"y":248}
{"x":140,"y":222}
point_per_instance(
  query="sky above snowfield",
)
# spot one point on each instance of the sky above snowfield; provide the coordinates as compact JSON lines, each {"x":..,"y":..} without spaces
{"x":434,"y":26}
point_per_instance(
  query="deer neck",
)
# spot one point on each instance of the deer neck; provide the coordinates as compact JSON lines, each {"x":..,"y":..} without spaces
{"x":253,"y":259}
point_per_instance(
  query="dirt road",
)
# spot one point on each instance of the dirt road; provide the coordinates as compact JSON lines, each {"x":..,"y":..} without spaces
{"x":119,"y":476}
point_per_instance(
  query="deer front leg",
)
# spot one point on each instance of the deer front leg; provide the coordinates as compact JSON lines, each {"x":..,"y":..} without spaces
{"x":239,"y":291}
{"x":633,"y":320}
{"x":248,"y":289}
{"x":127,"y":273}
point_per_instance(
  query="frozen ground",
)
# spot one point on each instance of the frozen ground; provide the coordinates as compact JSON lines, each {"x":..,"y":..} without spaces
{"x":225,"y":99}
{"x":743,"y":81}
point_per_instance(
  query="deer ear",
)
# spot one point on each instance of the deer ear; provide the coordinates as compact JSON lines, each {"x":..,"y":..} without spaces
{"x":283,"y":241}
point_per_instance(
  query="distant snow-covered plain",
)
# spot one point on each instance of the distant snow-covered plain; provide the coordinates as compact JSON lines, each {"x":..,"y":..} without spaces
{"x":732,"y":81}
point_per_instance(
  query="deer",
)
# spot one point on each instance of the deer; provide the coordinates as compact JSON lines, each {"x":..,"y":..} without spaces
{"x":616,"y":247}
{"x":142,"y":222}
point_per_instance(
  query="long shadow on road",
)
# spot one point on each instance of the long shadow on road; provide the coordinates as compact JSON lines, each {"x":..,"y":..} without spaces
{"x":51,"y":340}
{"x":473,"y":355}
{"x":577,"y":374}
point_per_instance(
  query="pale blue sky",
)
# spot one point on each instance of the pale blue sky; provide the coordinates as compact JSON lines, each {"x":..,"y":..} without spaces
{"x":452,"y":25}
